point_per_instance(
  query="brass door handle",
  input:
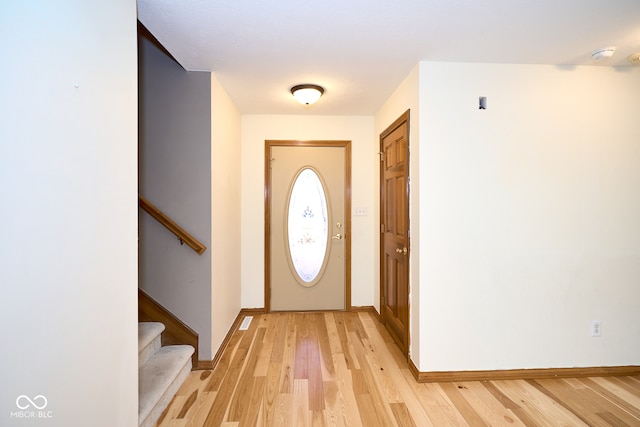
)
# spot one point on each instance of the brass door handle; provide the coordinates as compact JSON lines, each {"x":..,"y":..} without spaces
{"x":338,"y":237}
{"x":402,"y":251}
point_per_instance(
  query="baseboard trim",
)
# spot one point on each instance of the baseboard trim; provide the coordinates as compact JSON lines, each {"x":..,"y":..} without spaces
{"x":203,"y":365}
{"x":211,"y":364}
{"x":521,"y":374}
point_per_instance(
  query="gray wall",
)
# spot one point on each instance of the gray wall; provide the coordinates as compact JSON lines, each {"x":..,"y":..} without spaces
{"x":175,"y":175}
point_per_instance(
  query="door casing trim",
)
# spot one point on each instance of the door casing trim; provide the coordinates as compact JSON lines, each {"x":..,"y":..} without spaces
{"x":267,"y":212}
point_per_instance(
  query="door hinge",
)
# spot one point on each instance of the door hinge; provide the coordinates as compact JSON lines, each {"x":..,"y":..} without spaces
{"x":381,"y":153}
{"x":381,"y":228}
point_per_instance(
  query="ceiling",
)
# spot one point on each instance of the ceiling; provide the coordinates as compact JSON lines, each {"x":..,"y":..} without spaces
{"x":360,"y":50}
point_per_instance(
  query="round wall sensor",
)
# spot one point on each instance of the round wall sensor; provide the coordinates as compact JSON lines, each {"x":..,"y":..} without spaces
{"x":634,"y":58}
{"x":603,"y":54}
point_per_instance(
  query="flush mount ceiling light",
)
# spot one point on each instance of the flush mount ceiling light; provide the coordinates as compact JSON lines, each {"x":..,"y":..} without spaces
{"x":634,"y":58}
{"x":307,"y":94}
{"x":603,"y":54}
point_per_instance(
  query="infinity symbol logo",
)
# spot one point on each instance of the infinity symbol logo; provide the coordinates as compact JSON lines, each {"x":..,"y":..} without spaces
{"x":30,"y":402}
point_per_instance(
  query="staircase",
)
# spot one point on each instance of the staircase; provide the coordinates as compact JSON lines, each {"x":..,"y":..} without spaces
{"x":161,"y":372}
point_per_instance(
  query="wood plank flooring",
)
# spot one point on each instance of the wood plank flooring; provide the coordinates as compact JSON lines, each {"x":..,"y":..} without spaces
{"x":342,"y":369}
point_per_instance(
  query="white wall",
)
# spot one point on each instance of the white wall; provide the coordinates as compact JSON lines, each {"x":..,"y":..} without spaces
{"x":406,"y":97}
{"x":359,"y":130}
{"x":529,"y":218}
{"x":68,"y":205}
{"x":225,"y":205}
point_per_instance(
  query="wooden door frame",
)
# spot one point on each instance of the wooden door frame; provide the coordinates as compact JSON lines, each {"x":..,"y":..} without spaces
{"x":404,"y":118}
{"x":267,"y":212}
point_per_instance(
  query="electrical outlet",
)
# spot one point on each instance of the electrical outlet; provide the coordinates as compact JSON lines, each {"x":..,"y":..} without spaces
{"x":596,"y":328}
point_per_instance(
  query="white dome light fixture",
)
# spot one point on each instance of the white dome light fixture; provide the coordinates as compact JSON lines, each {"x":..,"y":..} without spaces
{"x":603,"y":54}
{"x":307,"y":94}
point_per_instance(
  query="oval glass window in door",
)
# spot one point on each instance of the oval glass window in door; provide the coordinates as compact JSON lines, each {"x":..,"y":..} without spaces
{"x":307,"y":227}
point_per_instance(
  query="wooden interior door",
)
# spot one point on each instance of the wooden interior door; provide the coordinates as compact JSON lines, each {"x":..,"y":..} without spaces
{"x":308,"y":215}
{"x":394,"y":227}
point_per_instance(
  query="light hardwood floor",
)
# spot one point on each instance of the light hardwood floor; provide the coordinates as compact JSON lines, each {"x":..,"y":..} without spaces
{"x":342,"y":369}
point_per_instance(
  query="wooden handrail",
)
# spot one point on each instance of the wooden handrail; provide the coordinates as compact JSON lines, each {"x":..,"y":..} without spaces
{"x":163,"y":219}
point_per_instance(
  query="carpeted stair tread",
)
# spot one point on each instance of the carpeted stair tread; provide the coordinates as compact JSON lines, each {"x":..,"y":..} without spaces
{"x":148,"y":340}
{"x":159,"y":379}
{"x":147,"y":331}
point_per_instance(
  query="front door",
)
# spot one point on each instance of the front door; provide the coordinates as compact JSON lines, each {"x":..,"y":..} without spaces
{"x":308,"y":228}
{"x":394,"y":227}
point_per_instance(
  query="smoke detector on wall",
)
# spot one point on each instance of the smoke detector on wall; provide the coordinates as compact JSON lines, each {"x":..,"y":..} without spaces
{"x":603,"y":54}
{"x":634,"y":58}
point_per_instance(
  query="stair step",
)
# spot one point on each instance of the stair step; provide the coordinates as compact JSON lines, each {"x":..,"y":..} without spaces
{"x":159,"y":379}
{"x":149,"y":340}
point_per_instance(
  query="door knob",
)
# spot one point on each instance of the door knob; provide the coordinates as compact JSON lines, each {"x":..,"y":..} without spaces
{"x":338,"y":237}
{"x":402,"y":251}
